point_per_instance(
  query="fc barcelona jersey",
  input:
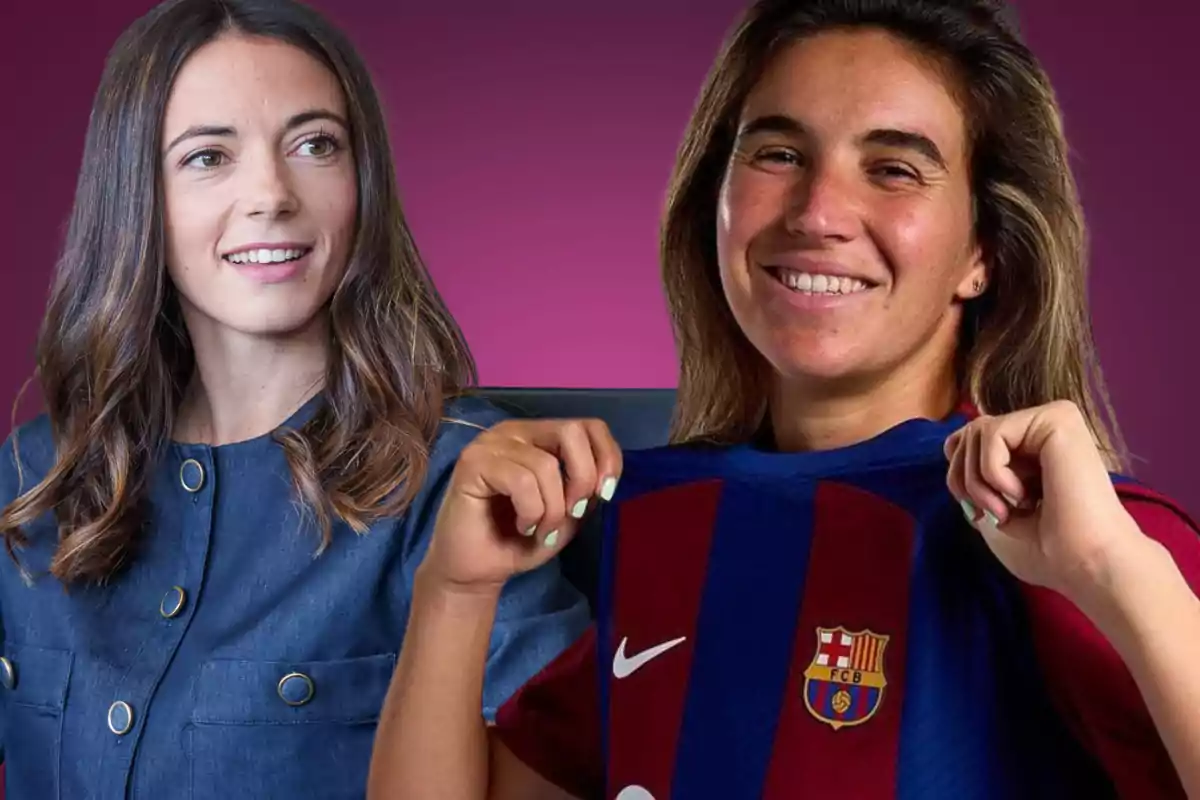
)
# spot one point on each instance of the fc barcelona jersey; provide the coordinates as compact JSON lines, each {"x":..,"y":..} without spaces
{"x":827,"y":625}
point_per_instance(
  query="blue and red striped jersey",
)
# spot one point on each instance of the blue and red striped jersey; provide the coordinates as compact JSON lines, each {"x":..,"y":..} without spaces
{"x":827,"y":624}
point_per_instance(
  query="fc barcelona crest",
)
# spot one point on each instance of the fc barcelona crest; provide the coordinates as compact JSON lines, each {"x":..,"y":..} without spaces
{"x":843,"y":686}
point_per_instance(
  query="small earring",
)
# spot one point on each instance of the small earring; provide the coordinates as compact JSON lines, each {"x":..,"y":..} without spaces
{"x":978,"y":286}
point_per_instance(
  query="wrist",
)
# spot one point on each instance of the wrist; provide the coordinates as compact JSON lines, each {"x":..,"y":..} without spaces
{"x":440,"y":591}
{"x":1130,"y":582}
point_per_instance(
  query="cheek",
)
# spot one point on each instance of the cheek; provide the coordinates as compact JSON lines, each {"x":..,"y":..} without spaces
{"x":343,"y":204}
{"x":749,"y":204}
{"x":906,"y":238}
{"x":193,"y":228}
{"x":334,"y":204}
{"x":921,"y":242}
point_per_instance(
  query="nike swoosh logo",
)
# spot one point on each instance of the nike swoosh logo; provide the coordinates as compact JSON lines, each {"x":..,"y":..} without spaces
{"x":624,"y":666}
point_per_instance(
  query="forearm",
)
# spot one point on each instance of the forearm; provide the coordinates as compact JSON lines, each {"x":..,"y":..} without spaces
{"x":1152,"y":618}
{"x":432,"y":741}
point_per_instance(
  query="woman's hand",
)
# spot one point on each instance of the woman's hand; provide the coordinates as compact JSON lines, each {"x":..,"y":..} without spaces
{"x":516,"y":497}
{"x":1034,"y":484}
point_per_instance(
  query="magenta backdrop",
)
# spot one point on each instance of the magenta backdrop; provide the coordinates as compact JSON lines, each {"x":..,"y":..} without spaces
{"x":534,"y":141}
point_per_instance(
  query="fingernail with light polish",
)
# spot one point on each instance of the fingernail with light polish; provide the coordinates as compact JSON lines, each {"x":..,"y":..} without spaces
{"x":551,"y":539}
{"x":579,"y":509}
{"x":991,"y":519}
{"x":529,"y":531}
{"x":1012,"y":501}
{"x":968,"y":509}
{"x":608,"y":489}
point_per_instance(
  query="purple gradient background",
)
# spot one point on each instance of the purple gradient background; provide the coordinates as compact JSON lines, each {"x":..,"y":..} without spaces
{"x":534,"y":141}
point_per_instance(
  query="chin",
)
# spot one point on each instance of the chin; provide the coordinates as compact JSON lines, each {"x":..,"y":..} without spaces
{"x":267,"y":320}
{"x":287,"y":322}
{"x":809,"y":358}
{"x":814,"y":369}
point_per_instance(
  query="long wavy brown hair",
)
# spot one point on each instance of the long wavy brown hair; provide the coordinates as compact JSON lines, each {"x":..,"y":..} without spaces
{"x":1025,"y":342}
{"x":113,"y":355}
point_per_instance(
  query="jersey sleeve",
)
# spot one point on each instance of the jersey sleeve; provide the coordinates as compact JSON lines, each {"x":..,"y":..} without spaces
{"x":553,"y":722}
{"x":540,"y":614}
{"x":1089,"y":682}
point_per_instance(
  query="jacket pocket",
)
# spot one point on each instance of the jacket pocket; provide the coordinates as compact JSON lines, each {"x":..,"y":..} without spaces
{"x":273,"y":729}
{"x":33,"y":719}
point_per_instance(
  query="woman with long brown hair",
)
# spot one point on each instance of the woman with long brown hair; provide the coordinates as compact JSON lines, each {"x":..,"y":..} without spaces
{"x":250,"y":387}
{"x":874,"y":257}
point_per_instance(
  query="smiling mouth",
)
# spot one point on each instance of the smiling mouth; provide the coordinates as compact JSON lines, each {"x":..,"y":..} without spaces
{"x":818,"y":284}
{"x":267,"y":256}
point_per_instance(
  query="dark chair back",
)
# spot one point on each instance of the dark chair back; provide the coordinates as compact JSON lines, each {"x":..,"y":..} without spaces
{"x":638,"y":418}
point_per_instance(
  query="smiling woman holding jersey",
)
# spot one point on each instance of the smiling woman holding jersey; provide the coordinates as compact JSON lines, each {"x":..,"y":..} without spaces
{"x":250,"y":384}
{"x":885,"y":556}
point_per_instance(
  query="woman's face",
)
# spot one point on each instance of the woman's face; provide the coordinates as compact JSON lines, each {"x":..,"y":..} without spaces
{"x":845,"y":225}
{"x":260,"y":187}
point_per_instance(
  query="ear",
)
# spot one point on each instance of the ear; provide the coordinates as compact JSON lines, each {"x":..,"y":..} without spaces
{"x":976,"y":279}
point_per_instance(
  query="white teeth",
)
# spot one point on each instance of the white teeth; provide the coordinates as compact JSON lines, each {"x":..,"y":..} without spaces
{"x":264,"y":256}
{"x":820,"y":284}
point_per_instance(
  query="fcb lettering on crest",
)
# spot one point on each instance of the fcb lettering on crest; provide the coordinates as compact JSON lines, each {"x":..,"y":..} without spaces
{"x":844,"y":684}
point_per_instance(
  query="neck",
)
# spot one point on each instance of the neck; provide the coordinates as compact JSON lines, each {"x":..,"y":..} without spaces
{"x":246,"y":386}
{"x":806,"y":417}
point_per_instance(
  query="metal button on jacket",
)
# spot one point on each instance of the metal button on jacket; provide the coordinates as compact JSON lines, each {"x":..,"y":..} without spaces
{"x":296,"y":688}
{"x":120,"y":718}
{"x":8,"y":673}
{"x":172,"y":602}
{"x":191,"y":475}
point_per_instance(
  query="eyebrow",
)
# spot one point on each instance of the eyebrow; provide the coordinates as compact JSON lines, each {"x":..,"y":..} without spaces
{"x":888,"y":137}
{"x":294,"y":121}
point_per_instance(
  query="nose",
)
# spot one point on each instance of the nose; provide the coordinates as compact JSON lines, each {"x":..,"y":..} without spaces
{"x":824,"y":205}
{"x":269,"y":191}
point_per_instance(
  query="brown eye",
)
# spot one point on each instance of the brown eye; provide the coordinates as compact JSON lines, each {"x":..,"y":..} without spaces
{"x":893,"y":171}
{"x":321,"y":146}
{"x":777,"y":155}
{"x":205,"y":159}
{"x":777,"y":159}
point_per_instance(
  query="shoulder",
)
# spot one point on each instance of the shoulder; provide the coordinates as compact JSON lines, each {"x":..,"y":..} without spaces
{"x":1166,"y":521}
{"x":1156,"y":514}
{"x":27,"y":456}
{"x":463,"y":419}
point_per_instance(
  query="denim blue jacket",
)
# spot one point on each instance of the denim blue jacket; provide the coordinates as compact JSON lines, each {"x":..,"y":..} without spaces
{"x":228,"y":660}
